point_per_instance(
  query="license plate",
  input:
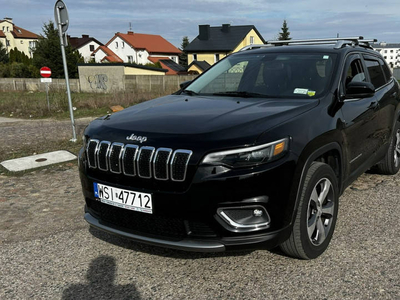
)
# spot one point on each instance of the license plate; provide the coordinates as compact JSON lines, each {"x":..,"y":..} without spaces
{"x":127,"y":199}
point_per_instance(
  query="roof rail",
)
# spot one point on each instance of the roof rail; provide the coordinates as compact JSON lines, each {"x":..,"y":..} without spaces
{"x":255,"y":46}
{"x":310,"y":41}
{"x":339,"y":42}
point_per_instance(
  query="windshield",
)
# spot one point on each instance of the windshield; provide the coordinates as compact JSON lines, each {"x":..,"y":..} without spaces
{"x":288,"y":75}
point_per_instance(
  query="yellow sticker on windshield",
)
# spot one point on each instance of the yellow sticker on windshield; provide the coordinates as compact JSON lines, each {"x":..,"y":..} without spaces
{"x":311,"y":93}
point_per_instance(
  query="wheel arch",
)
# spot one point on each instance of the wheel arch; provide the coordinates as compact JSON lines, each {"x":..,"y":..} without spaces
{"x":331,"y":154}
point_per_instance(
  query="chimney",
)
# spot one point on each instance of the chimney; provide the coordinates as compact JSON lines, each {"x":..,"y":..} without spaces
{"x":85,"y":36}
{"x":204,"y":32}
{"x":130,"y":32}
{"x":9,"y":19}
{"x":226,"y":27}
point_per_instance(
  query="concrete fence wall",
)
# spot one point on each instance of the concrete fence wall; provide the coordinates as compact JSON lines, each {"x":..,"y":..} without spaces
{"x":130,"y":83}
{"x":154,"y":83}
{"x":109,"y":78}
{"x":34,"y":84}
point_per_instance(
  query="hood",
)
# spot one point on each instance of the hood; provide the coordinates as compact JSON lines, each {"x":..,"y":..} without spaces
{"x":192,"y":118}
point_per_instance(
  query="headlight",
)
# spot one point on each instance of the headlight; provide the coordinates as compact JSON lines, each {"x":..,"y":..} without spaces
{"x":251,"y":156}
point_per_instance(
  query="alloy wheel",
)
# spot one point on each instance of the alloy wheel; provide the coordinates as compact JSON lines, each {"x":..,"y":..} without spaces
{"x":397,"y":149}
{"x":321,"y":208}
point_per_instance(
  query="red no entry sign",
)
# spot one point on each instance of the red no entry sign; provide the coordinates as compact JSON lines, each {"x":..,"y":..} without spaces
{"x":45,"y":72}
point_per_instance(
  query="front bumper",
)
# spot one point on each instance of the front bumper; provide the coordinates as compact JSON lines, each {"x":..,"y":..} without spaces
{"x":185,"y":244}
{"x":268,"y":241}
{"x":187,"y":218}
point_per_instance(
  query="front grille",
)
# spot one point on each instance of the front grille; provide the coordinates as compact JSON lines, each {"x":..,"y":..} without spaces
{"x":150,"y":224}
{"x":132,"y":160}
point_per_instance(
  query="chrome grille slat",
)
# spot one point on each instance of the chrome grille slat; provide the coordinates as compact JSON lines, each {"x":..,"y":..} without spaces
{"x":132,"y":160}
{"x":129,"y":159}
{"x":102,"y":154}
{"x":179,"y":163}
{"x":91,"y":152}
{"x":160,"y":163}
{"x":114,"y":157}
{"x":143,"y":161}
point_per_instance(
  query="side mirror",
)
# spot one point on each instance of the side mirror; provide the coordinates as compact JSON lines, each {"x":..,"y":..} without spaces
{"x":359,"y":89}
{"x":185,"y":84}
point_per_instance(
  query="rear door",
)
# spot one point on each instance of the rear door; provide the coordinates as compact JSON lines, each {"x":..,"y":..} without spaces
{"x":385,"y":93}
{"x":360,"y":115}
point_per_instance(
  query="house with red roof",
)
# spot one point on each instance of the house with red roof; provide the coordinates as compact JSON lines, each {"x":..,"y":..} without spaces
{"x":12,"y":36}
{"x":104,"y":54}
{"x":139,"y":48}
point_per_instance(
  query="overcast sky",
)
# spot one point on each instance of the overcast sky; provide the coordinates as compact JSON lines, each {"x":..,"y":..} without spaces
{"x":174,"y":19}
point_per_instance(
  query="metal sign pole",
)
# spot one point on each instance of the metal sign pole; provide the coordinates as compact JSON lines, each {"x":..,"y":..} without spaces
{"x":61,"y":34}
{"x":47,"y":96}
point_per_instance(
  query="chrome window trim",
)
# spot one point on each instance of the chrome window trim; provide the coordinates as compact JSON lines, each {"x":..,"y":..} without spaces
{"x":166,"y":164}
{"x":187,"y":163}
{"x":106,"y":155}
{"x":94,"y":154}
{"x":119,"y":157}
{"x":134,"y":159}
{"x":152,"y":149}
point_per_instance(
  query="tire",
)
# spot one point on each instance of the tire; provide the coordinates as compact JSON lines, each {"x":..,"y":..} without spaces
{"x":316,"y":215}
{"x":390,"y":165}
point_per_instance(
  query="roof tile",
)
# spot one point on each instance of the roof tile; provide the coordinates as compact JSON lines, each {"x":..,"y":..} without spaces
{"x":21,"y":33}
{"x":110,"y":55}
{"x":152,"y":43}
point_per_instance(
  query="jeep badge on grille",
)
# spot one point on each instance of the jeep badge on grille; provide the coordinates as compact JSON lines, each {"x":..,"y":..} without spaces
{"x":134,"y":137}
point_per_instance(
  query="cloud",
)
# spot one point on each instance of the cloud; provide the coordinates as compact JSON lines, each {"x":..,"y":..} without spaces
{"x":175,"y":19}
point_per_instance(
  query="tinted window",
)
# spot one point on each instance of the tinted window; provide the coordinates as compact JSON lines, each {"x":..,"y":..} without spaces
{"x":375,"y":73}
{"x":386,"y":70}
{"x":355,"y":72}
{"x":289,"y":75}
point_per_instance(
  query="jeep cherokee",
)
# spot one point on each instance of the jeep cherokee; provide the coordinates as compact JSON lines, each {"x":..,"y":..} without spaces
{"x":257,"y":150}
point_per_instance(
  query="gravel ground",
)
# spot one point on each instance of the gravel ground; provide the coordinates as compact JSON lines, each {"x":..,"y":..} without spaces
{"x":47,"y":251}
{"x":17,"y":133}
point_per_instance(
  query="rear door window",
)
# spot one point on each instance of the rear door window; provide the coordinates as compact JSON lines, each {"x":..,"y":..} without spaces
{"x":388,"y":73}
{"x":375,"y":72}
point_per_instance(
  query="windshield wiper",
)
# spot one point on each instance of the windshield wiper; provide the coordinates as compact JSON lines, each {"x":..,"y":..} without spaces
{"x":189,"y":92}
{"x":243,"y":94}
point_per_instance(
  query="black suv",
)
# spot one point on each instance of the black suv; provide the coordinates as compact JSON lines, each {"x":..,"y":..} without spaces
{"x":257,"y":150}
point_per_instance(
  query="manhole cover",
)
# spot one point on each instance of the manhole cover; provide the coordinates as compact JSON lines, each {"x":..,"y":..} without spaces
{"x":38,"y":160}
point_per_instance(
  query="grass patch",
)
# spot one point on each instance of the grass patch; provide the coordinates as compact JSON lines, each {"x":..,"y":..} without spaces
{"x":34,"y":104}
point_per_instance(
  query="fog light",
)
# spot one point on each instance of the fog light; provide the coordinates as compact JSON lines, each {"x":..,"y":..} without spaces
{"x":244,"y":218}
{"x":257,"y":213}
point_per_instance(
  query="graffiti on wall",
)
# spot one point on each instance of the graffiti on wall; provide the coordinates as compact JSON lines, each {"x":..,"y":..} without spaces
{"x":98,"y":81}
